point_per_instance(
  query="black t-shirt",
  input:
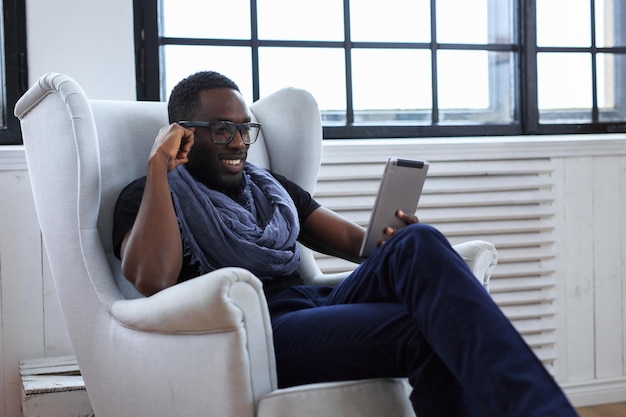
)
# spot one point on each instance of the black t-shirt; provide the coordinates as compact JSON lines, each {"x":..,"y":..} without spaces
{"x":127,"y":207}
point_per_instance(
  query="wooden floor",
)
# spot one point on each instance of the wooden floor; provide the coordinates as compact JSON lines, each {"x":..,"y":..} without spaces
{"x":604,"y":410}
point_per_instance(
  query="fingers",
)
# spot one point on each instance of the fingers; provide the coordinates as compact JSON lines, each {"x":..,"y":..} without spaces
{"x":186,"y":143}
{"x":173,"y":144}
{"x":407,"y":218}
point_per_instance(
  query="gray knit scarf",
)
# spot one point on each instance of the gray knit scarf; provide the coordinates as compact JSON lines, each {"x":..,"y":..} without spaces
{"x":255,"y":230}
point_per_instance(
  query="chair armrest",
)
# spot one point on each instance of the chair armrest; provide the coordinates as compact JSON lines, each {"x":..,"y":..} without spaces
{"x":214,"y":329}
{"x":210,"y":303}
{"x":481,"y":257}
{"x":329,"y":280}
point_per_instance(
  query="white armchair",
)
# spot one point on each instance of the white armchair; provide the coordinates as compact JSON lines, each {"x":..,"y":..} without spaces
{"x":203,"y":347}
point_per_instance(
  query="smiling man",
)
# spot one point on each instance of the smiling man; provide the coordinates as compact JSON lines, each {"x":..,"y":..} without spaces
{"x":215,"y":122}
{"x":413,"y":309}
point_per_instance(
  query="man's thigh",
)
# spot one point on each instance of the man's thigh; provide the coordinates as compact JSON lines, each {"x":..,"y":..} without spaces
{"x":343,"y":342}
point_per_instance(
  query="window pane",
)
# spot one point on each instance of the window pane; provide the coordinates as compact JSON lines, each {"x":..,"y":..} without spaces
{"x":400,"y":91}
{"x":476,"y":86}
{"x":320,"y":20}
{"x":320,"y":71}
{"x":611,"y":98}
{"x":206,"y":19}
{"x":370,"y":22}
{"x":564,"y":94}
{"x":474,"y":21}
{"x":563,"y":23}
{"x":610,"y":29}
{"x":182,"y":61}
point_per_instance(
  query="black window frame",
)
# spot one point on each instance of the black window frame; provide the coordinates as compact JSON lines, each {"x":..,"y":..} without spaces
{"x":15,"y":68}
{"x":148,"y":41}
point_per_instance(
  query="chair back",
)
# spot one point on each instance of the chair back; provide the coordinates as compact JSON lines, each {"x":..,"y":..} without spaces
{"x":82,"y":152}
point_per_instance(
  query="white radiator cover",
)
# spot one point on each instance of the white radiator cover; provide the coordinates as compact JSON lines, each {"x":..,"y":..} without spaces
{"x":481,"y":188}
{"x":507,"y":202}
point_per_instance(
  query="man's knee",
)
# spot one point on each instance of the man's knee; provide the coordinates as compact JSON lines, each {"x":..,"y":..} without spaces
{"x":422,"y":232}
{"x":424,"y":241}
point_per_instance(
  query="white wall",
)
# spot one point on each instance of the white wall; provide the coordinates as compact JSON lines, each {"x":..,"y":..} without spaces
{"x":92,"y":41}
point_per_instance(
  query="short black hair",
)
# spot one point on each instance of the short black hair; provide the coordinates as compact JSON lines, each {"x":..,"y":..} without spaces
{"x":185,"y":95}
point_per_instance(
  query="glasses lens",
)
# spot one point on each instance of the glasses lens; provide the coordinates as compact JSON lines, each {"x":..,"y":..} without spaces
{"x":222,"y":132}
{"x":249,"y":133}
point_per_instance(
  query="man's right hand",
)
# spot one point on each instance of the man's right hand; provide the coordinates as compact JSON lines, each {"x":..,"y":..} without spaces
{"x":172,"y":146}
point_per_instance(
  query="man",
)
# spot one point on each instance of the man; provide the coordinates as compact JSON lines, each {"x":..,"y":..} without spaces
{"x":413,"y":309}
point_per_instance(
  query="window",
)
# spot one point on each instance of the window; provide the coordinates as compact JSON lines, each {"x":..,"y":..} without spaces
{"x":13,"y":74}
{"x":581,"y":74}
{"x":404,"y":68}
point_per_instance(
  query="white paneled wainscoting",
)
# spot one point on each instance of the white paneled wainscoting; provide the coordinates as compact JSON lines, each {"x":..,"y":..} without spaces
{"x":555,"y":207}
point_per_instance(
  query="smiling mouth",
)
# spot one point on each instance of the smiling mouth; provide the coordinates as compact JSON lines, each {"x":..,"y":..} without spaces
{"x":232,"y":161}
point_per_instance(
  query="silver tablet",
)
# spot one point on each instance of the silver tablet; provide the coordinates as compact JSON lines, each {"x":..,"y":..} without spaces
{"x":400,"y":189}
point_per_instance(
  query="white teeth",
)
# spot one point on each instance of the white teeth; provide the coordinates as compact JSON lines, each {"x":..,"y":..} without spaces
{"x":232,"y":161}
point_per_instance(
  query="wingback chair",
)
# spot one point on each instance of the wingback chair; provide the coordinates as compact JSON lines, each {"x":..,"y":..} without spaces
{"x":200,"y":348}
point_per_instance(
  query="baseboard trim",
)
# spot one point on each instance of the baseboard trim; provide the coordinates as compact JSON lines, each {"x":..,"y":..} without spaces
{"x":604,"y":391}
{"x":12,"y":158}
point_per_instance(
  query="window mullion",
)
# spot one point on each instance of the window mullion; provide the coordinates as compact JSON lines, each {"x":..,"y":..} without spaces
{"x":595,"y":117}
{"x":348,"y":63}
{"x":15,"y":71}
{"x":147,"y":38}
{"x":619,"y":13}
{"x":254,"y":40}
{"x":527,"y":20}
{"x":433,"y":62}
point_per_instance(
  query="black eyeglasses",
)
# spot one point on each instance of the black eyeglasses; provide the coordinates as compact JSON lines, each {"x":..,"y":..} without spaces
{"x":222,"y":132}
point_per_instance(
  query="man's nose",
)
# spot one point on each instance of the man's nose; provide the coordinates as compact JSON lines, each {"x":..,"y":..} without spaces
{"x":237,"y":141}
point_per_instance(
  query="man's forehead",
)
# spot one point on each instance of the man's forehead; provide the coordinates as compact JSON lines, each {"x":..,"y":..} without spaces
{"x":221,"y":104}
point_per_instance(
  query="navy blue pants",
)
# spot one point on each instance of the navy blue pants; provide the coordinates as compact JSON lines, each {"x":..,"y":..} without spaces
{"x":414,"y":309}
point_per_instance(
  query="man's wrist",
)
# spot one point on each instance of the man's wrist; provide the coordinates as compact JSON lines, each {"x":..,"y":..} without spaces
{"x":159,"y":161}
